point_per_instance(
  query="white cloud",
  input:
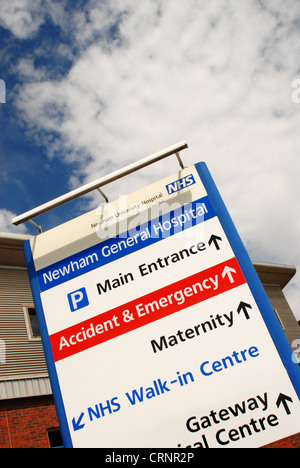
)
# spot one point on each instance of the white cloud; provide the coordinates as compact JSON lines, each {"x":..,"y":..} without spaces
{"x":22,"y":17}
{"x":5,"y":223}
{"x":217,"y":73}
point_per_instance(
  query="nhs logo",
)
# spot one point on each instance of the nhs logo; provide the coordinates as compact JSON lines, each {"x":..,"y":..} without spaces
{"x":180,"y":184}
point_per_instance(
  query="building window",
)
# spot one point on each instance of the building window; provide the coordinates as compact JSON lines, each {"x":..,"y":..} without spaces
{"x":55,"y":439}
{"x":31,"y":321}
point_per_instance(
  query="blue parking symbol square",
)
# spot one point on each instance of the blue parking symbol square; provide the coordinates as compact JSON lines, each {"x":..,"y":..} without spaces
{"x":78,"y":299}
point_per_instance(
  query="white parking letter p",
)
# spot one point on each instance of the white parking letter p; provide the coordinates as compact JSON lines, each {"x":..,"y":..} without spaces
{"x":78,"y":299}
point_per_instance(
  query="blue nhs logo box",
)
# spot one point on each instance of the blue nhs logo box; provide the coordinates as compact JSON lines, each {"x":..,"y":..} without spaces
{"x":180,"y":184}
{"x":78,"y":299}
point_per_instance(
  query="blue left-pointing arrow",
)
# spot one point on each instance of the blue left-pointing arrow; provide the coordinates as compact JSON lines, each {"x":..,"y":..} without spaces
{"x":76,"y":423}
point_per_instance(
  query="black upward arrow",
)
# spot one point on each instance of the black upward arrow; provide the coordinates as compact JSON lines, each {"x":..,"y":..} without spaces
{"x":214,"y":239}
{"x":282,"y":399}
{"x":244,"y":306}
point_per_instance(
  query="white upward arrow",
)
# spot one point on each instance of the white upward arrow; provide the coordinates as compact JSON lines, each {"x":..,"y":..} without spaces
{"x":227,"y":271}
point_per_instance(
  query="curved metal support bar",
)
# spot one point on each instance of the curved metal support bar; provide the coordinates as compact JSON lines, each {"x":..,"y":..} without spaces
{"x":100,"y":182}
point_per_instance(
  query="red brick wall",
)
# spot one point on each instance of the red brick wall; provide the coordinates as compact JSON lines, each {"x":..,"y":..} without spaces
{"x":289,"y":442}
{"x":24,"y":422}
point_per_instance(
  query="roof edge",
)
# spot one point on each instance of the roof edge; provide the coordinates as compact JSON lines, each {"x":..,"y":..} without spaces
{"x":272,"y":273}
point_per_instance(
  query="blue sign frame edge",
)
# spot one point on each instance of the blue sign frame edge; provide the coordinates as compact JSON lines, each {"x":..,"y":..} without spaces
{"x":257,"y":290}
{"x":283,"y":347}
{"x":59,"y":405}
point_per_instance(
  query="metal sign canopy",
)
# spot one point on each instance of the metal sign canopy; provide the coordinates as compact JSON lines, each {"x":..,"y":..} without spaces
{"x":96,"y":184}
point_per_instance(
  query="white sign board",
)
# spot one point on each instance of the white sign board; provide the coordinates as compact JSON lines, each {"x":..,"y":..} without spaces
{"x":156,"y":329}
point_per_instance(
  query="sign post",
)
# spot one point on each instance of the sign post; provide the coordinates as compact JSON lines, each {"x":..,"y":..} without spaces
{"x":156,"y":329}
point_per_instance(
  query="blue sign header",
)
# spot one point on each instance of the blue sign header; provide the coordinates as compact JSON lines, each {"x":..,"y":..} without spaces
{"x":126,"y":243}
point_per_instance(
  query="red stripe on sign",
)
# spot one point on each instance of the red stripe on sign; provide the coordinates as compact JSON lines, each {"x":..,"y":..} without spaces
{"x":147,"y":309}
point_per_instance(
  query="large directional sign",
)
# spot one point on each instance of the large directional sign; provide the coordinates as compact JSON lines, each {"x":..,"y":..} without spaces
{"x":156,"y":329}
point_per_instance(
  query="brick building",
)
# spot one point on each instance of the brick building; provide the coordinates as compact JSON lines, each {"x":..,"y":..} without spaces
{"x":27,"y":412}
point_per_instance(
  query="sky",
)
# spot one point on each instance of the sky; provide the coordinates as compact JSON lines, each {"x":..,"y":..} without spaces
{"x":91,"y":86}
